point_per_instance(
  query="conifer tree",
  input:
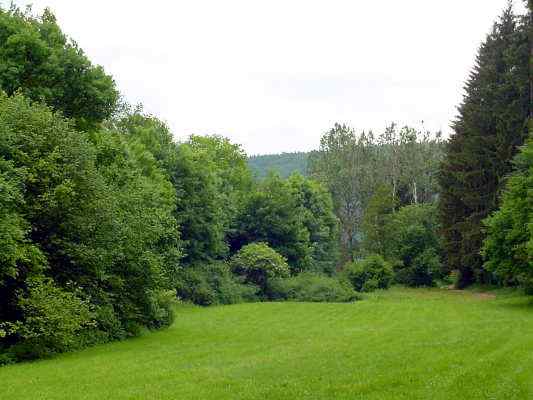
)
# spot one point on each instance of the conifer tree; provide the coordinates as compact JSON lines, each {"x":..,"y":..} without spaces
{"x":490,"y":126}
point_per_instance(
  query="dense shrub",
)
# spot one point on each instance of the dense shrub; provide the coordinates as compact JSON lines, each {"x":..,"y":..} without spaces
{"x":313,"y":287}
{"x":213,"y":284}
{"x":369,"y":274}
{"x":53,"y":318}
{"x":422,"y":270}
{"x":414,"y":245}
{"x":257,"y":263}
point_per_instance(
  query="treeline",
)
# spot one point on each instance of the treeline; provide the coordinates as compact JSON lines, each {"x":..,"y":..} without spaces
{"x":285,"y":164}
{"x":384,"y":189}
{"x":457,"y":211}
{"x":105,"y":220}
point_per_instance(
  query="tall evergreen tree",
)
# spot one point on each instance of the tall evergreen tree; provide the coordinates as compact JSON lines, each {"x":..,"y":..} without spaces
{"x":490,"y":126}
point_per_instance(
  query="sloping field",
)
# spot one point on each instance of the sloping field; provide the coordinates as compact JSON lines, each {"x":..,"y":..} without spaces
{"x":400,"y":344}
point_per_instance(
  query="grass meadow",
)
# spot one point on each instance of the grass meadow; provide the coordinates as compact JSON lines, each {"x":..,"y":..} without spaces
{"x":396,"y":344}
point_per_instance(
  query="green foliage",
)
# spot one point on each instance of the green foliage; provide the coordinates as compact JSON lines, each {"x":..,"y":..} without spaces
{"x":312,"y":287}
{"x":343,"y":165}
{"x":212,"y":284}
{"x":414,"y":245}
{"x":369,"y":274}
{"x":52,"y":320}
{"x":16,"y":249}
{"x":37,"y":60}
{"x":358,"y":168}
{"x":284,"y":164}
{"x":423,"y":270}
{"x":258,"y":263}
{"x":101,"y":218}
{"x":210,"y":177}
{"x":376,"y":222}
{"x":316,"y":207}
{"x":490,"y":127}
{"x":198,"y":203}
{"x":230,"y":164}
{"x":295,"y":217}
{"x":57,"y":180}
{"x":408,"y":238}
{"x":128,"y":243}
{"x":273,"y":215}
{"x":508,"y":248}
{"x":209,"y":210}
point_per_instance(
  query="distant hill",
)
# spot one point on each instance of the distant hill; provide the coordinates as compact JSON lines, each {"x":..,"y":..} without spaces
{"x":284,"y":163}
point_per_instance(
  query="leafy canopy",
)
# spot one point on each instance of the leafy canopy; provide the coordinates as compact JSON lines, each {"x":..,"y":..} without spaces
{"x":39,"y":61}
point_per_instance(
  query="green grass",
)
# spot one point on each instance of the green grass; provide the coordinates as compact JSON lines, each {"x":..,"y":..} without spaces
{"x":400,"y":344}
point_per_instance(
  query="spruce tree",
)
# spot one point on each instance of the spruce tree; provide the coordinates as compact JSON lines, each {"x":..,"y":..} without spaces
{"x":491,"y":124}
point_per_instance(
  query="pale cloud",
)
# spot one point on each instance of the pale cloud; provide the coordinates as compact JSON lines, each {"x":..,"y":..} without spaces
{"x":274,"y":75}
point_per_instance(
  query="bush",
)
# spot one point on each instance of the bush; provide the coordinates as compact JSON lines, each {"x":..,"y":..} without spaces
{"x":422,"y":271}
{"x":161,"y":311}
{"x":213,"y":284}
{"x":414,"y":245}
{"x":308,"y":286}
{"x":369,"y":274}
{"x":53,"y":319}
{"x":257,"y":263}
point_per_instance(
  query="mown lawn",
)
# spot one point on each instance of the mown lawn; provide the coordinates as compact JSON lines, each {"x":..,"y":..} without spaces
{"x":400,"y":344}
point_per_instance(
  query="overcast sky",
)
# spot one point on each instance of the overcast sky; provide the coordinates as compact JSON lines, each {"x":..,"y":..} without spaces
{"x":274,"y":75}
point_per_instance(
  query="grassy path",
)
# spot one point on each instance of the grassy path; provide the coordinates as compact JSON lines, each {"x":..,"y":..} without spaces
{"x":400,"y":344}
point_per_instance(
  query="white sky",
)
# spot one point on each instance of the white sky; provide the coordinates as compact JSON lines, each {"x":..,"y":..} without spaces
{"x":274,"y":75}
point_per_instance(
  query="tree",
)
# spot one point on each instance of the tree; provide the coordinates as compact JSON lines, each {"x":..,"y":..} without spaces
{"x":376,"y":222}
{"x":344,"y":164}
{"x":273,"y":215}
{"x":199,"y":208}
{"x":19,"y":256}
{"x":90,"y":215}
{"x":258,"y":263}
{"x":39,"y":61}
{"x":295,"y":217}
{"x":13,"y":227}
{"x":413,"y":244}
{"x":234,"y":176}
{"x":490,"y":126}
{"x":208,"y":175}
{"x":508,"y":247}
{"x":355,"y":167}
{"x":139,"y":211}
{"x":320,"y":221}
